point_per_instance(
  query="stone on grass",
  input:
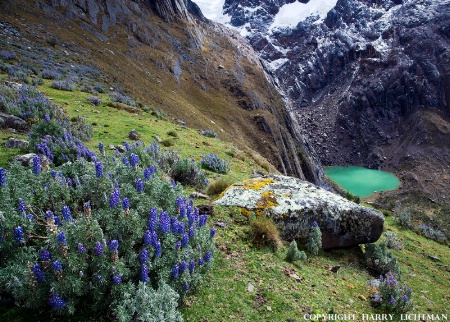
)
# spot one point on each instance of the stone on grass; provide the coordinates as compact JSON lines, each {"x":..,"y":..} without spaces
{"x":14,"y":143}
{"x":294,"y":205}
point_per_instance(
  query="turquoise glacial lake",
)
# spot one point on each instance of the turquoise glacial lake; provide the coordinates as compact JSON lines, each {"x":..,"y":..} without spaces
{"x":362,"y":182}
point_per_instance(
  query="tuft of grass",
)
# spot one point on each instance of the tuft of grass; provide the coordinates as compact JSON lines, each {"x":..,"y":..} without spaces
{"x":264,"y":233}
{"x":168,"y":143}
{"x":217,"y":187}
{"x":172,"y":134}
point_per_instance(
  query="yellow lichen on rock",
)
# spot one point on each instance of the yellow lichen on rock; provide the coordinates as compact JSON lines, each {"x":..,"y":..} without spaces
{"x":246,"y":212}
{"x":267,"y":200}
{"x":256,"y":184}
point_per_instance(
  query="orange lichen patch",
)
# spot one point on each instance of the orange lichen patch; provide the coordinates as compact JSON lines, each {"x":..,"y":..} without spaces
{"x":256,"y":184}
{"x":246,"y":212}
{"x":267,"y":200}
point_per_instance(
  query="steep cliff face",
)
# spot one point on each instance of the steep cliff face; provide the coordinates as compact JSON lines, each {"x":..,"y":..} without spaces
{"x":166,"y":54}
{"x":368,"y":80}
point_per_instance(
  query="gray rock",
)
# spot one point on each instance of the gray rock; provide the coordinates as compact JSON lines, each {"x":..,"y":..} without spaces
{"x":12,"y":121}
{"x":376,"y":300}
{"x":14,"y":143}
{"x":157,"y":138}
{"x":198,"y":195}
{"x":374,"y":283}
{"x":121,"y":148}
{"x":133,"y":135}
{"x":295,"y":204}
{"x":26,"y":159}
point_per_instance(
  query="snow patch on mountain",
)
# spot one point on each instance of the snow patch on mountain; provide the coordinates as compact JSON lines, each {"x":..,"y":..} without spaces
{"x":213,"y":10}
{"x":292,"y":13}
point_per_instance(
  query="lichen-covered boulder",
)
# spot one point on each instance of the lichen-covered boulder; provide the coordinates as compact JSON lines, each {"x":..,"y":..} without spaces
{"x":295,"y":204}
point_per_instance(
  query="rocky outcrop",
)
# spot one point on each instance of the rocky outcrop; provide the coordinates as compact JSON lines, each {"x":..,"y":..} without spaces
{"x":295,"y":204}
{"x":14,"y":143}
{"x":11,"y":121}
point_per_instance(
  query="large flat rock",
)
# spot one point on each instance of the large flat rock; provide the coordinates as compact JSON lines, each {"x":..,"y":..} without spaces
{"x":295,"y":204}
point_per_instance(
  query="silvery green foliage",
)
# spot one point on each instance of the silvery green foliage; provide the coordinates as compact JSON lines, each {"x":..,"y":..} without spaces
{"x":148,"y":305}
{"x":293,"y":254}
{"x":392,"y":240}
{"x":314,"y":240}
{"x":380,"y":261}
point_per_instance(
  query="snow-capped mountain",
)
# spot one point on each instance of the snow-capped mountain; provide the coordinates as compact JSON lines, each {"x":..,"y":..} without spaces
{"x":368,"y":81}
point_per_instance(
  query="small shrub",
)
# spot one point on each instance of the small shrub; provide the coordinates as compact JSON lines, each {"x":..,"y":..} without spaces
{"x":395,"y":297}
{"x":404,"y":218}
{"x":209,"y":133}
{"x":64,"y":85}
{"x":392,"y":241}
{"x":431,"y":233}
{"x":120,"y":98}
{"x":380,"y":261}
{"x":51,"y":74}
{"x":37,"y":81}
{"x":314,"y":243}
{"x":293,"y":254}
{"x":172,"y":134}
{"x":168,"y":143}
{"x":6,"y":55}
{"x":218,"y":186}
{"x":263,"y":232}
{"x":213,"y":163}
{"x":94,"y":100}
{"x":187,"y":172}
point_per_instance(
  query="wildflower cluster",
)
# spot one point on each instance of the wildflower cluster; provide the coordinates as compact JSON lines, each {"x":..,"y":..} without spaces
{"x":76,"y":236}
{"x":395,"y":298}
{"x":213,"y":163}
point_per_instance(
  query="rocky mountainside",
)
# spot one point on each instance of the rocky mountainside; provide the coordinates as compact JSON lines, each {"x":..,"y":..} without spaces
{"x":368,"y":81}
{"x":167,"y":55}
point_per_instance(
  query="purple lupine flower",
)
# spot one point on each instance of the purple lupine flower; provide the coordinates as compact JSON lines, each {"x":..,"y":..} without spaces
{"x":101,"y":147}
{"x":152,"y":219}
{"x":81,"y":248}
{"x":191,"y":232}
{"x":212,"y":232}
{"x":57,"y":266}
{"x":36,"y":165}
{"x":127,"y":145}
{"x":57,"y":302}
{"x":113,"y":245}
{"x":405,"y":298}
{"x":99,"y":277}
{"x":98,"y":169}
{"x":148,"y":172}
{"x":174,"y":184}
{"x":191,"y":266}
{"x":30,"y":217}
{"x":207,"y":256}
{"x":44,"y":255}
{"x":47,"y":118}
{"x":61,"y":238}
{"x":180,"y":201}
{"x":66,"y":213}
{"x":125,"y":161}
{"x":314,"y":224}
{"x":164,"y":223}
{"x":38,"y":273}
{"x":392,"y":300}
{"x":148,"y":238}
{"x":139,"y":185}
{"x":57,"y":221}
{"x":53,"y":173}
{"x":191,"y":218}
{"x":125,"y":203}
{"x":143,"y":256}
{"x":183,"y":266}
{"x":180,"y":227}
{"x":98,"y":249}
{"x":175,"y":271}
{"x":174,"y":224}
{"x":185,"y":241}
{"x":117,"y":279}
{"x":177,"y":245}
{"x":18,"y":234}
{"x":87,"y":205}
{"x":182,"y":210}
{"x":114,"y":199}
{"x":144,"y":273}
{"x":186,"y":286}
{"x":2,"y":177}
{"x":22,"y":206}
{"x":158,"y":249}
{"x":116,"y":186}
{"x":134,"y":160}
{"x":200,"y":261}
{"x":69,"y":182}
